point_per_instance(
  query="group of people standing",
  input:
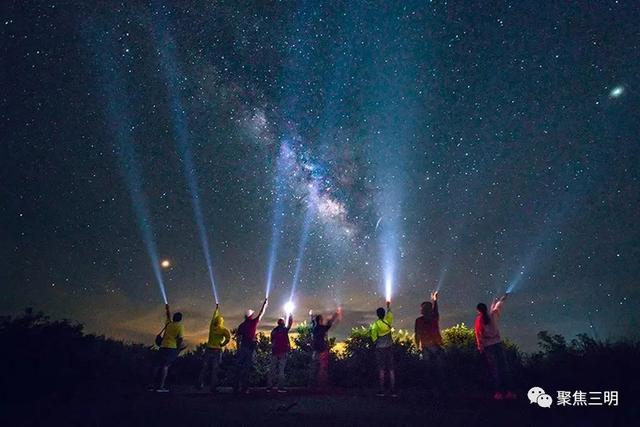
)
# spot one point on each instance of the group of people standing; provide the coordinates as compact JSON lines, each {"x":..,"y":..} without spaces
{"x":428,"y":341}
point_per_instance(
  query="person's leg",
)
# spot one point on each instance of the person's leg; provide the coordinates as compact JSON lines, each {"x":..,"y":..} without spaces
{"x":216,"y":359}
{"x":380,"y":367}
{"x":392,"y":371}
{"x":313,"y":369}
{"x":240,"y":360}
{"x":501,"y":364}
{"x":244,"y":369}
{"x":273,"y":366}
{"x":436,"y":365}
{"x":323,"y":376}
{"x":282,"y":364}
{"x":156,"y":370}
{"x":203,"y":369}
{"x":492,"y":365}
{"x":163,"y":376}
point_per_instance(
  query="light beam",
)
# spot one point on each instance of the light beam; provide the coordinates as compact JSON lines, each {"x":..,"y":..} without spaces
{"x":173,"y":76}
{"x":278,"y":214}
{"x":302,"y":244}
{"x":121,"y":126}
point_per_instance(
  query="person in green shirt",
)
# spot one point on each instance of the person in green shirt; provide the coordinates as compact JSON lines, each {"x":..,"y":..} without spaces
{"x":170,"y":347}
{"x":381,"y":336}
{"x":219,"y":336}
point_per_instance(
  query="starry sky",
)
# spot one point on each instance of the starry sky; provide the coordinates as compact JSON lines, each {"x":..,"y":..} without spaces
{"x":328,"y":149}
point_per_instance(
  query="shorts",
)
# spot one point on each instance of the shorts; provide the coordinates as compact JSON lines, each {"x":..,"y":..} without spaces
{"x":166,"y":356}
{"x":384,"y":358}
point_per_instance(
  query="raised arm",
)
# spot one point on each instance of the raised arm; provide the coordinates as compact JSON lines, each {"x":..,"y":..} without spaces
{"x":216,"y":312}
{"x":167,"y":312}
{"x":290,"y":321}
{"x":334,"y":318}
{"x":497,"y":304}
{"x":262,"y":309}
{"x":416,"y":336}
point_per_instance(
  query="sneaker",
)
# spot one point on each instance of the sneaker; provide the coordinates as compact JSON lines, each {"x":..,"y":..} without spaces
{"x":380,"y":393}
{"x":498,"y":396}
{"x":162,"y":390}
{"x":281,"y":390}
{"x":394,"y":394}
{"x":510,"y":395}
{"x":268,"y":390}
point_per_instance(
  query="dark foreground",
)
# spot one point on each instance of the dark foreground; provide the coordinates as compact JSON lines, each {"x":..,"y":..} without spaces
{"x":301,"y":408}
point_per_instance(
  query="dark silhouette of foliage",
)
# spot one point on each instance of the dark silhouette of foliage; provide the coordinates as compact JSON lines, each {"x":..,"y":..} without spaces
{"x":47,"y":356}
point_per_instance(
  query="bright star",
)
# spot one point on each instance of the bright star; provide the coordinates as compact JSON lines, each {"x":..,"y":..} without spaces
{"x":616,"y":92}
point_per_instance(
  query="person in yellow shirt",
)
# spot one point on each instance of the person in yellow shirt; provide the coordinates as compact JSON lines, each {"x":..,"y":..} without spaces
{"x":170,"y":347}
{"x":381,"y":336}
{"x":219,"y":336}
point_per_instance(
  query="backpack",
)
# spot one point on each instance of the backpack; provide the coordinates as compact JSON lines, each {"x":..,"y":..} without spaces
{"x":160,"y":336}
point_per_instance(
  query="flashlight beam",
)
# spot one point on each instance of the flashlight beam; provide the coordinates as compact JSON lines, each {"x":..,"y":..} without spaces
{"x":119,"y":122}
{"x":302,"y":245}
{"x":172,"y":76}
{"x":278,"y":214}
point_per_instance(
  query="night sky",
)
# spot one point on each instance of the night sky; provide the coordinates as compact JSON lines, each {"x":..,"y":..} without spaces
{"x":333,"y":147}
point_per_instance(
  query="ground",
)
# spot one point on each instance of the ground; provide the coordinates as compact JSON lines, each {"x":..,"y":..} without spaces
{"x":185,"y":407}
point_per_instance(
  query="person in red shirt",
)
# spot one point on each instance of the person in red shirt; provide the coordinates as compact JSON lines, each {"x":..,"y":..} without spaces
{"x":280,"y":348}
{"x":246,"y":339}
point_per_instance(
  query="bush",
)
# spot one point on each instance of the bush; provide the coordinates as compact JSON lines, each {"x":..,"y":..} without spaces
{"x":48,"y":357}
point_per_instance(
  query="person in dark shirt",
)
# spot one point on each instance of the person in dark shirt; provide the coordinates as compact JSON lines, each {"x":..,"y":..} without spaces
{"x":427,"y":329}
{"x":246,"y":339}
{"x":428,"y":339}
{"x":280,"y":347}
{"x":319,"y":369}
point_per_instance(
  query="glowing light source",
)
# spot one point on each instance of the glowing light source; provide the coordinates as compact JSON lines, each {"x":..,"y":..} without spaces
{"x":388,"y":284}
{"x":289,"y":307}
{"x":165,"y":263}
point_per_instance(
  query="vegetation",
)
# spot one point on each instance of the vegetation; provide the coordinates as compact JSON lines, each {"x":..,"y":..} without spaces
{"x":45,"y":357}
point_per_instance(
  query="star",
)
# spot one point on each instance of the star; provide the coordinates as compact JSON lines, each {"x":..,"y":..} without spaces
{"x":616,"y":92}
